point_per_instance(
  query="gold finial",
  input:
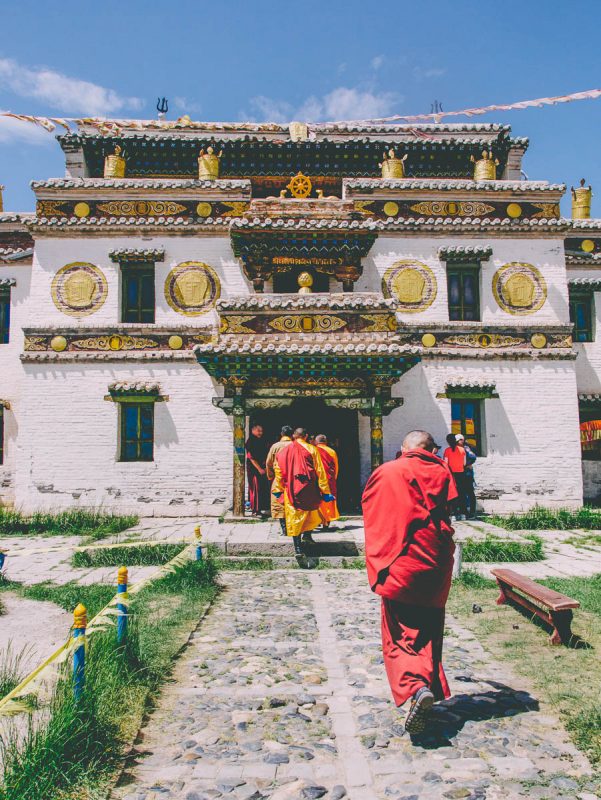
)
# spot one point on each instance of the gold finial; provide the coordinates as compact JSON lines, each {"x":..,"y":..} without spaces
{"x":300,"y":186}
{"x":122,"y":575}
{"x":581,"y":201}
{"x":114,"y":165}
{"x":80,"y":616}
{"x":1,"y":201}
{"x":393,"y":167}
{"x":198,"y":533}
{"x":208,"y":164}
{"x":485,"y":168}
{"x":305,"y":281}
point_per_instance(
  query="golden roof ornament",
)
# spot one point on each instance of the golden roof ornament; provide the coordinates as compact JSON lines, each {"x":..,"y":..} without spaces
{"x":1,"y":200}
{"x":208,"y":164}
{"x":300,"y":186}
{"x":581,"y":201}
{"x":114,"y":165}
{"x":485,"y":168}
{"x":305,"y":281}
{"x":393,"y":167}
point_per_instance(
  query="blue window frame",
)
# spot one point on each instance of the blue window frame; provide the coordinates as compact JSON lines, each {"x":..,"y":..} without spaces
{"x":581,"y":315}
{"x":4,"y":315}
{"x":466,"y":419}
{"x":137,"y":431}
{"x":464,"y":293}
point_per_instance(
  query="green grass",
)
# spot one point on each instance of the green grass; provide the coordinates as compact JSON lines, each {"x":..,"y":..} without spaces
{"x":491,"y":550}
{"x":584,"y":540}
{"x":94,"y":597}
{"x":75,"y":754}
{"x":77,"y":522}
{"x":12,"y":669}
{"x":134,"y":555}
{"x":563,"y":677}
{"x":540,"y":518}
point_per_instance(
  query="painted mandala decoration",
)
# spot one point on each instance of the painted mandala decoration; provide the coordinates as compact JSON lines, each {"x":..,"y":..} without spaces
{"x":412,"y":284}
{"x":519,"y":288}
{"x":79,"y":289}
{"x":192,"y":288}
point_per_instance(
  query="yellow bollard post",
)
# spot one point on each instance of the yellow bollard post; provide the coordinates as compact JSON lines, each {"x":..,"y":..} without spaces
{"x":198,"y":535}
{"x":80,"y":621}
{"x":122,"y":579}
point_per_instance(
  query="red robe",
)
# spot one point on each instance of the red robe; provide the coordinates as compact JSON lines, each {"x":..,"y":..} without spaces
{"x":299,"y":477}
{"x":258,"y":485}
{"x":409,"y":557}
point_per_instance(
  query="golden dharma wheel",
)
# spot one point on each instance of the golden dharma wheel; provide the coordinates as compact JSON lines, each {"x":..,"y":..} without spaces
{"x":300,"y":187}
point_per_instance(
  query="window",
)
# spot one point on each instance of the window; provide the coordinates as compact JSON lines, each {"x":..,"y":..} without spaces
{"x":137,"y":293}
{"x":4,"y":315}
{"x":581,"y":315}
{"x":137,"y":431}
{"x":466,"y":419}
{"x":464,"y":293}
{"x":1,"y":434}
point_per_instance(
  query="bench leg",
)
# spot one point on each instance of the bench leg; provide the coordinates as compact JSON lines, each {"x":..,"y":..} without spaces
{"x":502,"y":598}
{"x":562,"y":627}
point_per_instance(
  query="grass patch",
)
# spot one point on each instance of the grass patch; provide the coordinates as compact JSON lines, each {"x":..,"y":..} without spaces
{"x":94,"y":597}
{"x":585,"y":540}
{"x":491,"y":549}
{"x":561,"y":676}
{"x":468,"y":579}
{"x":78,"y":522}
{"x":75,"y":753}
{"x":12,"y":668}
{"x":245,"y":564}
{"x":540,"y":518}
{"x":135,"y":555}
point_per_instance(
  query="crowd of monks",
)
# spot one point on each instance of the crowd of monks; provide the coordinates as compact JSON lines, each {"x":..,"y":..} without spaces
{"x":408,"y":544}
{"x":295,"y":478}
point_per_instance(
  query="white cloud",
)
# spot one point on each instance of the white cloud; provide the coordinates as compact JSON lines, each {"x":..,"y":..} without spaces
{"x":341,"y":104}
{"x":377,"y":62}
{"x":420,"y":74}
{"x":13,"y":130}
{"x":61,"y":92}
{"x":186,"y":106}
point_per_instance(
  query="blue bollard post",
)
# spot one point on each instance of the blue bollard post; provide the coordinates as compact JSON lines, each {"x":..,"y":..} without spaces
{"x":198,"y":534}
{"x":121,"y":608}
{"x":2,"y":557}
{"x":80,"y":621}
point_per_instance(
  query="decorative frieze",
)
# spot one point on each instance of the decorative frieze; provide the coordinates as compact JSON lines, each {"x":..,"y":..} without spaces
{"x":139,"y":208}
{"x":469,"y":254}
{"x":457,"y":208}
{"x":137,"y":255}
{"x":124,"y":342}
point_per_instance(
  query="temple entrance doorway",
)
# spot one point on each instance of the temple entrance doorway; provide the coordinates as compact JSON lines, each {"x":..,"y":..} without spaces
{"x":340,"y":425}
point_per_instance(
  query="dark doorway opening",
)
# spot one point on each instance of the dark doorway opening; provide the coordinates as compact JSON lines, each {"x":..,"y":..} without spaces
{"x":340,"y":425}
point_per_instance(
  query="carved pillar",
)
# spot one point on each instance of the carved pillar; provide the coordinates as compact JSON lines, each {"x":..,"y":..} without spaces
{"x":375,"y":429}
{"x":239,"y":421}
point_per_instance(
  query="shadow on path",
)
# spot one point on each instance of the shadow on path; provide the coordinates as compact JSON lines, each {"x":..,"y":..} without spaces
{"x":449,"y":716}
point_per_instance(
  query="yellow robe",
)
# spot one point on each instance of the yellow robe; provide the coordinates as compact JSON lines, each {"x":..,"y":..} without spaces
{"x":277,"y":505}
{"x":298,"y":521}
{"x":329,"y":511}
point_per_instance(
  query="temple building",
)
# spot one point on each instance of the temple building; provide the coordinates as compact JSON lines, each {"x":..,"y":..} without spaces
{"x":185,"y":279}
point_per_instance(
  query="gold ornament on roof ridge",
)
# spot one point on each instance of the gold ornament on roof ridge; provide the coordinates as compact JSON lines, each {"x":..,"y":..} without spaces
{"x":305,"y":281}
{"x":1,"y":201}
{"x":393,"y":167}
{"x":485,"y":168}
{"x":208,"y":164}
{"x":581,"y":201}
{"x":300,"y":186}
{"x":114,"y":165}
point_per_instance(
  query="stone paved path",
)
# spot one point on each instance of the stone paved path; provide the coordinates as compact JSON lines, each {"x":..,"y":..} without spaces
{"x":282,"y":695}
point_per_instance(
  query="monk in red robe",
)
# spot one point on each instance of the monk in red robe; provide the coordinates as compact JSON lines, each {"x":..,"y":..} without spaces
{"x":301,"y":480}
{"x":258,"y":485}
{"x":409,"y":556}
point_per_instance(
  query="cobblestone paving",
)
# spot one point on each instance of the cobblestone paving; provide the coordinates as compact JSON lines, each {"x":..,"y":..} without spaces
{"x":282,"y":695}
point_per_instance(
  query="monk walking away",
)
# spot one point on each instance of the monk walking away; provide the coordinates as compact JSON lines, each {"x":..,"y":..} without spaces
{"x":409,"y":556}
{"x":277,"y":505}
{"x":328,"y":510}
{"x":302,"y":483}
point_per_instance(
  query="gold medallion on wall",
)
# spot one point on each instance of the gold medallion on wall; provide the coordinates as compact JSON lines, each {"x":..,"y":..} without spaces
{"x":192,"y":288}
{"x":79,"y":289}
{"x":412,"y":284}
{"x":519,"y":288}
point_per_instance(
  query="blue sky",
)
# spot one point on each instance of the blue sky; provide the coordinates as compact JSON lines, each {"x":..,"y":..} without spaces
{"x":316,"y":59}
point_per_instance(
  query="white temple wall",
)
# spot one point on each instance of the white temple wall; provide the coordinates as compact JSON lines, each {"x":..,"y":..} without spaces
{"x":52,"y":253}
{"x":68,"y":442}
{"x":11,"y":372}
{"x":547,"y":255}
{"x":533,"y":422}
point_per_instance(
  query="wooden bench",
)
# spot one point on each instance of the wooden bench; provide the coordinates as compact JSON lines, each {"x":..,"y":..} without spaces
{"x":552,"y":607}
